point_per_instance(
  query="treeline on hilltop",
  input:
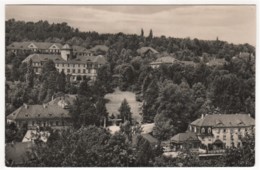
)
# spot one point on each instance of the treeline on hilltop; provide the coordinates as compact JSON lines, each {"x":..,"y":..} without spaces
{"x":63,"y":33}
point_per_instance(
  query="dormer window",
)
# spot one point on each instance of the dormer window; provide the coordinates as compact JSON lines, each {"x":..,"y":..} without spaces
{"x":202,"y":130}
{"x":209,"y":130}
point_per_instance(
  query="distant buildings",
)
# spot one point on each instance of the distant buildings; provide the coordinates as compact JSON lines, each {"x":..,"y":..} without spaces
{"x":147,"y":51}
{"x":36,"y":47}
{"x":163,"y":60}
{"x":78,"y":66}
{"x":53,"y":48}
{"x":55,"y":114}
{"x":222,"y":130}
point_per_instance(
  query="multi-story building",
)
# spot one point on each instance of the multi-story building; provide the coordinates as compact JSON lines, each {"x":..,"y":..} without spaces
{"x":34,"y":47}
{"x":222,"y":130}
{"x":71,"y":64}
{"x":55,"y":114}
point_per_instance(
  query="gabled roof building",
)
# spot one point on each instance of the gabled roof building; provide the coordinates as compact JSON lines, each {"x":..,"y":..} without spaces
{"x":55,"y":114}
{"x":226,"y":130}
{"x":75,"y":65}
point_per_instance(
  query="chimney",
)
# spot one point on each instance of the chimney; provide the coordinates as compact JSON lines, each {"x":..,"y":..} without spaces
{"x":25,"y":106}
{"x":202,"y":116}
{"x":44,"y":105}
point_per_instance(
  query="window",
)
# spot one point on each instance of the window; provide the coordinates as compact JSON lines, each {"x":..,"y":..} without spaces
{"x":62,"y":70}
{"x":62,"y":65}
{"x":195,"y":129}
{"x":68,"y":70}
{"x":51,"y":123}
{"x":84,"y":71}
{"x":224,"y":137}
{"x":68,"y":65}
{"x":57,"y":123}
{"x":73,"y":65}
{"x":32,"y":123}
{"x":89,"y":70}
{"x":57,"y":65}
{"x":217,"y":136}
{"x":224,"y":130}
{"x":78,"y":70}
{"x":232,"y":137}
{"x":36,"y":69}
{"x":73,"y":70}
{"x":78,"y":65}
{"x":209,"y":130}
{"x":238,"y":129}
{"x":202,"y":130}
{"x":218,"y":131}
{"x":231,"y":130}
{"x":239,"y":137}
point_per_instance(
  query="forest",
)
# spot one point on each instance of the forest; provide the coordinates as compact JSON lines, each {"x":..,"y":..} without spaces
{"x":172,"y":96}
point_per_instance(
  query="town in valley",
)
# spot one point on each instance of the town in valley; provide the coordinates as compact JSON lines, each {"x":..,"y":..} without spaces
{"x":79,"y":98}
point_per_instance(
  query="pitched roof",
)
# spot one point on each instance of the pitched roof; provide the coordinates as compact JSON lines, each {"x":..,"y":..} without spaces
{"x":38,"y":111}
{"x":144,"y":50}
{"x":43,"y":57}
{"x":66,"y":47}
{"x":67,"y":99}
{"x":18,"y":45}
{"x":183,"y":137}
{"x":58,"y":59}
{"x":150,"y":138}
{"x":225,"y":120}
{"x":25,"y":45}
{"x":77,"y":48}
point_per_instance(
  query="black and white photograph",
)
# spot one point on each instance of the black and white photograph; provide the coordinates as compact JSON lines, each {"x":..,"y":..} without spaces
{"x":107,"y":85}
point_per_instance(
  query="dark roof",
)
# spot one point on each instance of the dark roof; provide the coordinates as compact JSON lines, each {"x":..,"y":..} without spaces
{"x":38,"y":111}
{"x":58,"y":59}
{"x":144,"y":50}
{"x":66,"y":47}
{"x":225,"y":120}
{"x":18,"y":45}
{"x":17,"y":152}
{"x":25,"y":45}
{"x":150,"y":138}
{"x":68,"y":99}
{"x":184,"y":137}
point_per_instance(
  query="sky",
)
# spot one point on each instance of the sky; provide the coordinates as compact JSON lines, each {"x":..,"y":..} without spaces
{"x":235,"y":24}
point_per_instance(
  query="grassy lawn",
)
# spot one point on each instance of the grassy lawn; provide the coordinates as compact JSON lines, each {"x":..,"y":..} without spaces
{"x":115,"y":100}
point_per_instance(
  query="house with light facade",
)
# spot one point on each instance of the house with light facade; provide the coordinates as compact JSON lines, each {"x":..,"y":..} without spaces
{"x":54,"y":114}
{"x":222,"y":130}
{"x":71,"y":64}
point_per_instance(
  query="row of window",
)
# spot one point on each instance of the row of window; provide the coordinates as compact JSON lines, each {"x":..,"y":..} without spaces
{"x":74,"y":71}
{"x":51,"y":123}
{"x":78,"y":65}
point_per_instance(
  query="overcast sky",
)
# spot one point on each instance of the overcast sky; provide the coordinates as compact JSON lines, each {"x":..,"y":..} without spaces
{"x":236,"y":24}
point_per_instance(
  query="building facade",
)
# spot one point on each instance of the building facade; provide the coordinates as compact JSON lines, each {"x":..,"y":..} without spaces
{"x":222,"y":130}
{"x":77,"y":66}
{"x":55,"y":114}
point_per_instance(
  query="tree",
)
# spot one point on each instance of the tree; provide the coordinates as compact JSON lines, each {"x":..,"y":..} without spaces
{"x":142,"y":32}
{"x":163,"y":128}
{"x":149,"y":105}
{"x":29,"y":75}
{"x":101,"y":111}
{"x":125,"y":111}
{"x":150,"y":37}
{"x":61,"y":82}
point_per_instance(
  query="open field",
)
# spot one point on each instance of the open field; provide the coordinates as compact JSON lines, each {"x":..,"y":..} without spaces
{"x":115,"y":100}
